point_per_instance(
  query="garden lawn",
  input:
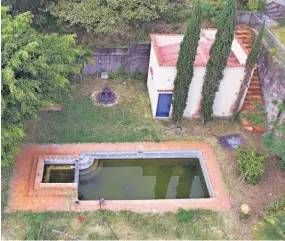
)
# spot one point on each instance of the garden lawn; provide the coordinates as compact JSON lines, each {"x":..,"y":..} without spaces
{"x":82,"y":121}
{"x":114,"y":225}
{"x":131,"y":121}
{"x":279,"y":32}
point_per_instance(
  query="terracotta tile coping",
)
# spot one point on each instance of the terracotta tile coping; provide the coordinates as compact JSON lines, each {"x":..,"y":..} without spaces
{"x":38,"y":184}
{"x":55,"y":195}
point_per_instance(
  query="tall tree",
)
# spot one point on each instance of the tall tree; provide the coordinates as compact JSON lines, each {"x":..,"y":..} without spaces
{"x":219,"y":54}
{"x":35,"y":72}
{"x":107,"y":16}
{"x":185,"y":63}
{"x":250,"y":62}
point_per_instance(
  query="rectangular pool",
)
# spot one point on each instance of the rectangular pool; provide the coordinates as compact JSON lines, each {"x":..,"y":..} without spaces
{"x":141,"y":179}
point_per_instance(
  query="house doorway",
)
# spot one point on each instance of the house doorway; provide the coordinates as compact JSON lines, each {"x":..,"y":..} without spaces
{"x":163,"y":105}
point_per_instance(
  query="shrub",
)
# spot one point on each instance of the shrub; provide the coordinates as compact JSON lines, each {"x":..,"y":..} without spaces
{"x":275,"y":146}
{"x":177,"y":13}
{"x":273,"y":52}
{"x":252,"y":5}
{"x":275,"y":207}
{"x":137,"y":75}
{"x":271,"y":227}
{"x":123,"y":74}
{"x":250,"y":164}
{"x":107,"y":16}
{"x":261,"y":6}
{"x":211,"y":9}
{"x":176,"y":27}
{"x":281,"y":23}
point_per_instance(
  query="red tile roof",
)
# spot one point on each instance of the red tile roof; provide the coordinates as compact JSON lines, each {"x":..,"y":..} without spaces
{"x":167,"y":55}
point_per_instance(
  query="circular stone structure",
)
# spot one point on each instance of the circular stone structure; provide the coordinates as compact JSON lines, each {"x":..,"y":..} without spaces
{"x":105,"y":97}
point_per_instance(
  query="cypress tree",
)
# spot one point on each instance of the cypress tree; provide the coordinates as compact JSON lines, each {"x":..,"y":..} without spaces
{"x":219,"y":54}
{"x":250,"y":62}
{"x":185,"y":63}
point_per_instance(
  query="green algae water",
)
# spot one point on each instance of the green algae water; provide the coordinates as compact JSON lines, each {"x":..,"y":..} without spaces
{"x":58,"y":174}
{"x":143,"y":179}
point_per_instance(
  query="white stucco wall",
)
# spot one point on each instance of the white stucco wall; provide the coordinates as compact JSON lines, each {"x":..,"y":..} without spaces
{"x":195,"y":93}
{"x":151,"y":83}
{"x":163,"y":79}
{"x":228,"y":91}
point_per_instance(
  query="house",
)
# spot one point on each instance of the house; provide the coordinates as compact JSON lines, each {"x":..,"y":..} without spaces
{"x":162,"y":72}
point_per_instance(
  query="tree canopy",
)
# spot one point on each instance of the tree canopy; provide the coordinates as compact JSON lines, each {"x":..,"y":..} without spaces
{"x":107,"y":16}
{"x":185,"y":63}
{"x":219,"y":54}
{"x":35,"y":72}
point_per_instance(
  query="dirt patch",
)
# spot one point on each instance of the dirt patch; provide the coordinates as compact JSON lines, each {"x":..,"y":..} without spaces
{"x":53,"y":107}
{"x":271,"y":187}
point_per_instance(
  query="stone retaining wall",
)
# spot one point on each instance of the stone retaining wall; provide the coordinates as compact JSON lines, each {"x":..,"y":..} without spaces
{"x":136,"y":56}
{"x":271,"y":69}
{"x":272,"y":81}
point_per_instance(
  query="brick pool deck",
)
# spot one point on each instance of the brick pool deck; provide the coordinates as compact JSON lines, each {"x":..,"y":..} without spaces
{"x":28,"y":194}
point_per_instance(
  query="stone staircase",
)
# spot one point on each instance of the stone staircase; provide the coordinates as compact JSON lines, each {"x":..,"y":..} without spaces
{"x":276,"y":10}
{"x":254,"y":96}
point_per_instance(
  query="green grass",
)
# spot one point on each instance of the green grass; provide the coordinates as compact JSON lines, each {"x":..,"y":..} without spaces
{"x":125,"y":225}
{"x":82,"y":121}
{"x":279,"y":32}
{"x":129,"y":121}
{"x":6,"y":175}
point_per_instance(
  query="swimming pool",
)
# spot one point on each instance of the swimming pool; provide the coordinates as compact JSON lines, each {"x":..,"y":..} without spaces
{"x":140,"y":179}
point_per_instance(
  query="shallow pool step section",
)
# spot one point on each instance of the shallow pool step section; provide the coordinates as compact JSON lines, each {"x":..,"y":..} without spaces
{"x":90,"y":172}
{"x":86,"y":159}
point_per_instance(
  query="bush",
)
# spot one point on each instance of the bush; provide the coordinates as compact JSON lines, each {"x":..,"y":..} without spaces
{"x":275,"y":207}
{"x":177,"y":12}
{"x":271,"y":228}
{"x":250,"y":164}
{"x":273,"y":224}
{"x":252,"y":5}
{"x":212,"y":9}
{"x":123,"y":74}
{"x":281,"y":23}
{"x":176,"y":27}
{"x":261,"y":6}
{"x":275,"y":146}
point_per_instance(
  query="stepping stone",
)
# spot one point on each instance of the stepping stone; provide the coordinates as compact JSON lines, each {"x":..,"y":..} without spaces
{"x":104,"y":75}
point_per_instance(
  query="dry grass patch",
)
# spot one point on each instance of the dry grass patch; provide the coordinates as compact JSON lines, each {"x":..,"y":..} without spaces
{"x":115,"y":225}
